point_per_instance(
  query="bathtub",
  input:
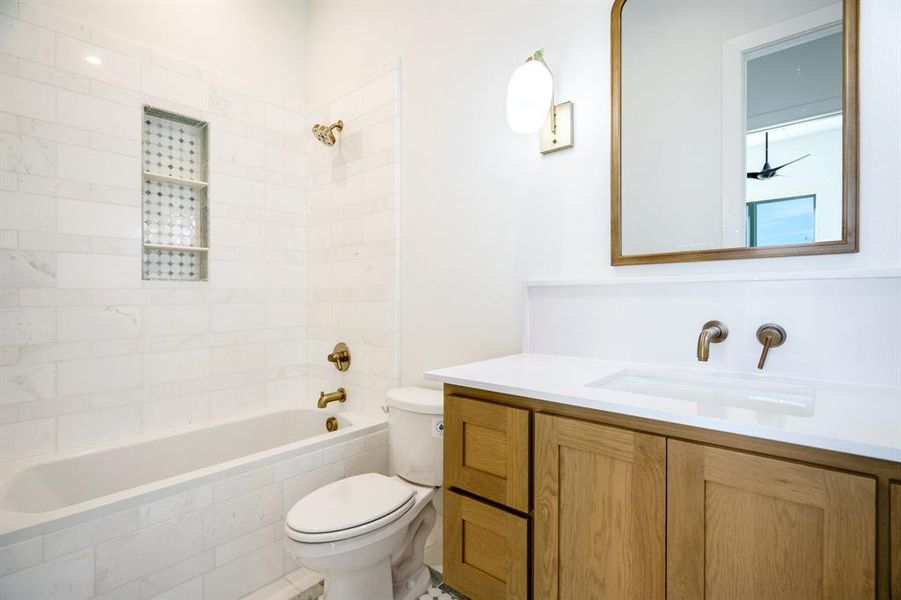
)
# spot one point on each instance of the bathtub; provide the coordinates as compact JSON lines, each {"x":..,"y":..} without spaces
{"x":46,"y":494}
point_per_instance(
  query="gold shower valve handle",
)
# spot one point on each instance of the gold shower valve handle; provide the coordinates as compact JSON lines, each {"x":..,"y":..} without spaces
{"x":340,"y":356}
{"x":771,"y":336}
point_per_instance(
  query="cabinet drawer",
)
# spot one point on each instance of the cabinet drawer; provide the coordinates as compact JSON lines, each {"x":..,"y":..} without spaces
{"x":486,"y":549}
{"x":486,"y":450}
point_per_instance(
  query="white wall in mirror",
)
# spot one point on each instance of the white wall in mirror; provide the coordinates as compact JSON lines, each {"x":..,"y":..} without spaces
{"x":684,"y":95}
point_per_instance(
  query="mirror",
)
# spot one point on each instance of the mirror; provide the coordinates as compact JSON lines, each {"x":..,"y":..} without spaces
{"x":734,"y":129}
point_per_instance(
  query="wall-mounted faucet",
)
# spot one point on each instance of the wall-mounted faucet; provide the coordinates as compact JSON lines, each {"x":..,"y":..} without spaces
{"x":771,"y":336}
{"x":712,"y":332}
{"x":337,"y":396}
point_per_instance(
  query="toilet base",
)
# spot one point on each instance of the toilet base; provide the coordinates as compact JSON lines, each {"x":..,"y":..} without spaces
{"x":414,"y":587}
{"x":372,"y":582}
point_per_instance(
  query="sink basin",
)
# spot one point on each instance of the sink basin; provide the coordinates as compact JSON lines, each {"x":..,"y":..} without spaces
{"x":715,"y":390}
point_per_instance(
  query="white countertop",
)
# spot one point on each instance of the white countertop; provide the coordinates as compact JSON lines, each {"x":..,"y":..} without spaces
{"x":855,"y":419}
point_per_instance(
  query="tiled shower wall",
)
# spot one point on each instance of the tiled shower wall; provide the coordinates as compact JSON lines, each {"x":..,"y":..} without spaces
{"x":352,"y":241}
{"x":89,"y":351}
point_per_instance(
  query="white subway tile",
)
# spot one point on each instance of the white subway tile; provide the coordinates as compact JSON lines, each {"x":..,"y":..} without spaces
{"x":93,"y":532}
{"x":285,"y":198}
{"x":98,"y":374}
{"x":175,"y":319}
{"x":228,"y":189}
{"x":237,"y":516}
{"x":25,"y":40}
{"x":29,"y":212}
{"x":236,"y":275}
{"x":70,"y":577}
{"x":244,"y":575}
{"x":76,"y":323}
{"x":242,"y":484}
{"x":117,"y":69}
{"x":94,"y":166}
{"x":237,"y":400}
{"x":236,"y":317}
{"x":27,"y":438}
{"x":175,"y":505}
{"x":27,"y":98}
{"x":94,"y":218}
{"x":284,"y":353}
{"x":175,"y":412}
{"x":237,"y":359}
{"x":19,"y":269}
{"x":30,"y":155}
{"x":98,"y":271}
{"x":85,"y":112}
{"x":247,"y":543}
{"x":285,"y":121}
{"x":285,"y":315}
{"x":237,"y":149}
{"x":190,"y":590}
{"x":173,"y":86}
{"x":27,"y":382}
{"x":21,"y":326}
{"x":183,"y":571}
{"x":96,"y":426}
{"x":131,"y":556}
{"x":175,"y":366}
{"x":22,"y":555}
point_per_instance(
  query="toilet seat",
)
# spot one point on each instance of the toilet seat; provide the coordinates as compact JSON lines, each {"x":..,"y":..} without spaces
{"x":348,"y":508}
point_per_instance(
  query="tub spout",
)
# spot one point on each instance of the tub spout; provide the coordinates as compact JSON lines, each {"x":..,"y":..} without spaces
{"x":337,"y":396}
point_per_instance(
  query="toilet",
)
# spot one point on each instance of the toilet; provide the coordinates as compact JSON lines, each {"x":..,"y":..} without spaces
{"x":366,"y":534}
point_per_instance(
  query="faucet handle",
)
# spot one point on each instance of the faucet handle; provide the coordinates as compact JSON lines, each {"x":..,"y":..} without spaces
{"x":771,"y":336}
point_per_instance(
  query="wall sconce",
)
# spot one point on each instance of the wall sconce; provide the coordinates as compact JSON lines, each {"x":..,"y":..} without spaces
{"x":531,"y":108}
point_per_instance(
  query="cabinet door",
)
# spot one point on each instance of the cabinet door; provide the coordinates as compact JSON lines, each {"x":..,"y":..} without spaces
{"x":746,"y":527}
{"x":486,"y":549}
{"x":895,"y":539}
{"x":486,"y":450}
{"x":599,"y":512}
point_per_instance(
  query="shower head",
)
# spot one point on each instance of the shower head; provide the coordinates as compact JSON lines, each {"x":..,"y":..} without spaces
{"x":325,"y":133}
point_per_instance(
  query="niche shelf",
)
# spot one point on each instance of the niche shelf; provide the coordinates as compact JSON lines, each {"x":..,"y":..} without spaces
{"x":175,"y":194}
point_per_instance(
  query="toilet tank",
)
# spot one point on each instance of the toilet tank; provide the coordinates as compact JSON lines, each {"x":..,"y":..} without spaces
{"x":416,"y":434}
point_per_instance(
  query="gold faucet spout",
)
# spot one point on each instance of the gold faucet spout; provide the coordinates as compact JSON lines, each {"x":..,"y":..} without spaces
{"x":713,"y":332}
{"x":337,"y":396}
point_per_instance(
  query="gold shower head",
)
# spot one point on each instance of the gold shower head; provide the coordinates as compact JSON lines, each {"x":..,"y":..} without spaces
{"x":325,"y":133}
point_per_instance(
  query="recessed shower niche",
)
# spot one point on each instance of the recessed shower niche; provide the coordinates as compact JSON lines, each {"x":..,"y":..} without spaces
{"x":175,"y":195}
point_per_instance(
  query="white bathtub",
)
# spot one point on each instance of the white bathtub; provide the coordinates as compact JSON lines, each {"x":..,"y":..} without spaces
{"x":42,"y":495}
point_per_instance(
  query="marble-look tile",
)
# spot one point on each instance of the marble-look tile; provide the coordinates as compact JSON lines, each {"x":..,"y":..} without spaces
{"x":27,"y":382}
{"x":28,"y":212}
{"x":98,"y":219}
{"x":75,"y":323}
{"x":236,"y":400}
{"x":163,"y":83}
{"x":27,"y":155}
{"x":22,"y":326}
{"x":243,"y":483}
{"x":175,"y":319}
{"x":93,"y":166}
{"x":118,"y":69}
{"x":21,"y":269}
{"x":237,"y":359}
{"x":91,"y":533}
{"x":70,"y":577}
{"x":244,"y":575}
{"x":86,"y":112}
{"x":98,"y":374}
{"x":173,"y":576}
{"x":20,"y":556}
{"x":237,"y":516}
{"x":247,"y":543}
{"x":27,"y":98}
{"x":25,"y":40}
{"x":176,"y":411}
{"x":96,"y":426}
{"x":142,"y":552}
{"x":98,"y":271}
{"x":27,"y":438}
{"x":175,"y":505}
{"x":175,"y":366}
{"x":192,"y":590}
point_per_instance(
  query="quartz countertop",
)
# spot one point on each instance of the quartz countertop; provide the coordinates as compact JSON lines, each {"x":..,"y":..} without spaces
{"x":854,"y":419}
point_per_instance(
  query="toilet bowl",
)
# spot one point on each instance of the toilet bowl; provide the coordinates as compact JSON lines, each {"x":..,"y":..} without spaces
{"x":367,"y":533}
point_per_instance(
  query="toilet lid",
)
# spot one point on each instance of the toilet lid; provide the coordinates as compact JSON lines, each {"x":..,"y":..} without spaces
{"x":343,"y":508}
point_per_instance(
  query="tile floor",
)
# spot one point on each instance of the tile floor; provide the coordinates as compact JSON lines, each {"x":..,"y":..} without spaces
{"x":287,"y":588}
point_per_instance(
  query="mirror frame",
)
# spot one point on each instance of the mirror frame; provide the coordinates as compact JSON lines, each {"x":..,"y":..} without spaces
{"x":850,"y":205}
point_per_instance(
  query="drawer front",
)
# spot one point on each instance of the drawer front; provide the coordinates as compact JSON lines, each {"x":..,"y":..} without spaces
{"x":486,"y":450}
{"x":486,"y":549}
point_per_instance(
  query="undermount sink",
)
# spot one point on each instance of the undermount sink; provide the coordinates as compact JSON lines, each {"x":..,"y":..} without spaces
{"x":719,"y":390}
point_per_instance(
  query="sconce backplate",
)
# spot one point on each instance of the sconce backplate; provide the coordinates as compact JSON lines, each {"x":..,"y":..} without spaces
{"x":551,"y":141}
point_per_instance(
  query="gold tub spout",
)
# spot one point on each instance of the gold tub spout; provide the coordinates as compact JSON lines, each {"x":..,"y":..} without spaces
{"x":337,"y":396}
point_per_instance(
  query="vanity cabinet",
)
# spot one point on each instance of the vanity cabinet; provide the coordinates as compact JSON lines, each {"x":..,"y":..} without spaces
{"x":600,"y":495}
{"x":554,"y":502}
{"x":895,"y":535}
{"x":744,"y":526}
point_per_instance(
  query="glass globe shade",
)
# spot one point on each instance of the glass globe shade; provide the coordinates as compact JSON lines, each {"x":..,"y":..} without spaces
{"x":529,"y":96}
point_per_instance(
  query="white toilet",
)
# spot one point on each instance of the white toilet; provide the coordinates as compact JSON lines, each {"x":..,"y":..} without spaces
{"x":367,"y":533}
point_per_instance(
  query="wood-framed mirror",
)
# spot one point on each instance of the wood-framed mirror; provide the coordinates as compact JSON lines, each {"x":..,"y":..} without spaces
{"x":734,"y":129}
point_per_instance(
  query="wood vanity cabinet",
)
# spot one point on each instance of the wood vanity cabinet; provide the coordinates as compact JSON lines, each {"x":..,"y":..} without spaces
{"x":610,"y":507}
{"x":599,"y":528}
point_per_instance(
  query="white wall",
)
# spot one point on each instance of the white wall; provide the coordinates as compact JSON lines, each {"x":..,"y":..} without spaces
{"x":483,"y":210}
{"x":89,"y":351}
